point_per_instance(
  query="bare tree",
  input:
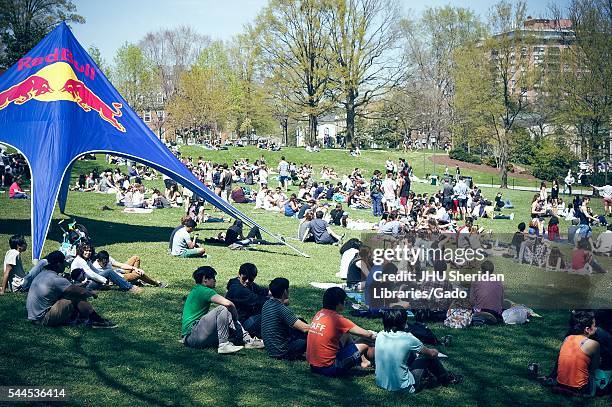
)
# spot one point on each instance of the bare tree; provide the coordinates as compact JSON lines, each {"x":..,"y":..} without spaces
{"x":367,"y":61}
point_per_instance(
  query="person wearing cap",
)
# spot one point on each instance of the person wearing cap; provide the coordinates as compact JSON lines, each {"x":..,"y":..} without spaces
{"x":53,"y":301}
{"x":182,"y":245}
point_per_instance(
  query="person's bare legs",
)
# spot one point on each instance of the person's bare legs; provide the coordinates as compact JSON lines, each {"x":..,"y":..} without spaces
{"x":134,"y":261}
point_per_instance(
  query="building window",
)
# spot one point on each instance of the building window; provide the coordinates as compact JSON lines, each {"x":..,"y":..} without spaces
{"x":160,"y":98}
{"x":160,"y":115}
{"x":147,"y":116}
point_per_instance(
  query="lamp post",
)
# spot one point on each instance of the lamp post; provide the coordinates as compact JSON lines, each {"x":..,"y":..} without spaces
{"x":396,"y":133}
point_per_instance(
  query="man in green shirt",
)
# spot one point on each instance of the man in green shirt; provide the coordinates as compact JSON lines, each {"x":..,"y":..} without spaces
{"x":202,"y":327}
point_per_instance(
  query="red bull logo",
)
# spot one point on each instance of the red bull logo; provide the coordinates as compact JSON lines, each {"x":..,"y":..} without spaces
{"x":59,"y":82}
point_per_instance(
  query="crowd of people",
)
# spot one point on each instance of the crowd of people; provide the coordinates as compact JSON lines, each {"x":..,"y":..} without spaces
{"x":251,"y":316}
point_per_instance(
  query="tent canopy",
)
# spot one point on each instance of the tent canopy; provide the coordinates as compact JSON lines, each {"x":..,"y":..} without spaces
{"x":55,"y":106}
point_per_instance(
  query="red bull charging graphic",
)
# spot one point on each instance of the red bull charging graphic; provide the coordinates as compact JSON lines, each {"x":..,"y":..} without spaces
{"x":58,"y":81}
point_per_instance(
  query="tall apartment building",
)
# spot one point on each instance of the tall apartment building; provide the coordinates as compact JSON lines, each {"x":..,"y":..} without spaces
{"x":545,"y":40}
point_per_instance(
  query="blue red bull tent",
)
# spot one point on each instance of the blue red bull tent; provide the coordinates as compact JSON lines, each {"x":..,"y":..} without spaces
{"x":56,"y":105}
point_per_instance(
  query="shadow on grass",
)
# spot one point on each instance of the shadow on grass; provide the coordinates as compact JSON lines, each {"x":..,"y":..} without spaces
{"x":102,"y":232}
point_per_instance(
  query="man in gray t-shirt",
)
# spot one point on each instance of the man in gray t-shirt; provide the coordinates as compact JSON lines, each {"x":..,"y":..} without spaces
{"x":321,"y":231}
{"x":53,"y":300}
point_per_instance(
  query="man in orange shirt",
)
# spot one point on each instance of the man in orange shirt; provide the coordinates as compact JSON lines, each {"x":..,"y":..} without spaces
{"x":330,"y":349}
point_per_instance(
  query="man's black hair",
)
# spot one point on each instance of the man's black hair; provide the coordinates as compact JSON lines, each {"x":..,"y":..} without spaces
{"x":333,"y":297}
{"x":579,"y":321}
{"x":522,"y":226}
{"x":102,"y":255}
{"x":278,"y":286}
{"x":16,"y":240}
{"x":394,"y":320}
{"x":190,"y":223}
{"x":249,"y":270}
{"x":202,"y":273}
{"x":487,"y":266}
{"x":55,"y":261}
{"x":319,"y":214}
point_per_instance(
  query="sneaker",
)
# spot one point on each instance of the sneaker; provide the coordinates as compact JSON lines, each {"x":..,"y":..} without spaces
{"x":228,"y":347}
{"x":454,"y":378}
{"x":104,"y":324}
{"x":512,"y":216}
{"x":161,"y":284}
{"x":254,"y":343}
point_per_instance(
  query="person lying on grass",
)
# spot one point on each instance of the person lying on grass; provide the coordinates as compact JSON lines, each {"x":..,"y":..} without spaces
{"x":330,"y":349}
{"x":403,"y":363}
{"x":130,"y":270}
{"x":97,"y":279}
{"x":52,"y":300}
{"x":202,"y":327}
{"x":282,"y":331}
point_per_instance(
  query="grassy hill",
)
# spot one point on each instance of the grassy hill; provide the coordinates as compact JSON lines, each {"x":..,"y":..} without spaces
{"x":142,"y":363}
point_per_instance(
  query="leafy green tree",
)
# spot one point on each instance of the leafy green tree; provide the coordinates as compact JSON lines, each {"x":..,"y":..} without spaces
{"x":23,"y":23}
{"x":430,"y":44}
{"x":583,"y":82}
{"x":133,"y":75}
{"x":493,"y":78}
{"x":296,"y":48}
{"x":96,"y":55}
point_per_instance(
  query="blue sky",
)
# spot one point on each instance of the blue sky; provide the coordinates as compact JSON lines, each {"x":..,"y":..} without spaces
{"x":112,"y":22}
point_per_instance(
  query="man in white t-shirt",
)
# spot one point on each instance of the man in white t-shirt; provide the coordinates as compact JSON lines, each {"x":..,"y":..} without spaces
{"x":603,"y":244}
{"x":13,"y":272}
{"x":183,"y":246}
{"x":389,"y":188}
{"x":606,"y":194}
{"x":569,"y":181}
{"x":283,"y":174}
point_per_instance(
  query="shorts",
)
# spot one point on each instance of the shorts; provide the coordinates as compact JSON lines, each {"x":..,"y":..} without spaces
{"x":463,"y":203}
{"x":403,"y":200}
{"x":283,"y":179}
{"x":346,"y":358}
{"x":61,"y":313}
{"x":190,"y":253}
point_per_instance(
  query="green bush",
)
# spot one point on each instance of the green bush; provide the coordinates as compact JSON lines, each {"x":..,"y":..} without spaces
{"x":462,"y":155}
{"x":490,"y":161}
{"x":553,"y":159}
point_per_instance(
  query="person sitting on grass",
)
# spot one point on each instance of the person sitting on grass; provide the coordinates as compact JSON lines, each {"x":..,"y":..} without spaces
{"x":52,"y":300}
{"x":130,"y":270}
{"x":603,"y":244}
{"x":283,"y":333}
{"x":248,"y":297}
{"x":487,"y":297}
{"x":13,"y":274}
{"x":202,"y":327}
{"x":182,"y":245}
{"x":578,"y":364}
{"x":15,"y":191}
{"x":330,"y":349}
{"x":321,"y":231}
{"x":96,"y":278}
{"x":403,"y":363}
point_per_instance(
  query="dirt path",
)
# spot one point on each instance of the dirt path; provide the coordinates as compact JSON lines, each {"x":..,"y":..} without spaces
{"x":445,"y":160}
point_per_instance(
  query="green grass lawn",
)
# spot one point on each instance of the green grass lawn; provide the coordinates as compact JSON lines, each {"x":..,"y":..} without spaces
{"x":142,"y":363}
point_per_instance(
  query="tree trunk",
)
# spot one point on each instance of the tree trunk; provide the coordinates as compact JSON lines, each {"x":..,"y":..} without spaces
{"x":285,"y":124}
{"x":350,"y":118}
{"x":503,"y":161}
{"x":312,"y":129}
